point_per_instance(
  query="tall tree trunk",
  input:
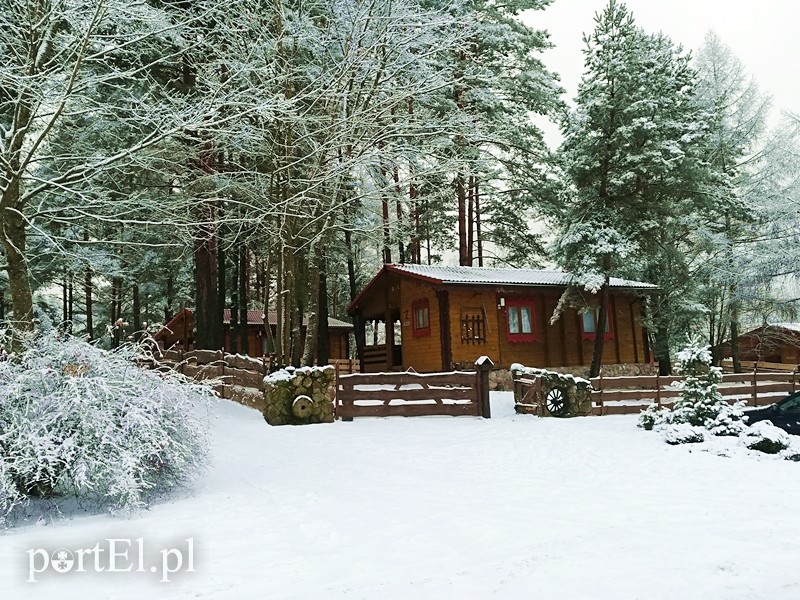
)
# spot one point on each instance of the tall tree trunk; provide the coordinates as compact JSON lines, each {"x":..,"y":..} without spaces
{"x":87,"y":290}
{"x":733,"y":309}
{"x":358,"y":321}
{"x":735,"y":353}
{"x":387,"y":251}
{"x":470,"y":220}
{"x":64,"y":301}
{"x":205,"y":285}
{"x":461,"y":195}
{"x":323,"y":341}
{"x":14,"y":244}
{"x":280,"y":308}
{"x":312,"y":310}
{"x":290,"y":309}
{"x":233,"y":325}
{"x":478,"y":223}
{"x":267,"y":328}
{"x":116,"y":313}
{"x":222,"y":295}
{"x":600,"y":330}
{"x":661,"y":350}
{"x":399,"y":210}
{"x":70,"y":300}
{"x":137,"y":312}
{"x":244,"y":342}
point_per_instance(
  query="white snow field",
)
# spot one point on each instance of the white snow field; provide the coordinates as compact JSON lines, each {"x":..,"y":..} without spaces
{"x":514,"y":507}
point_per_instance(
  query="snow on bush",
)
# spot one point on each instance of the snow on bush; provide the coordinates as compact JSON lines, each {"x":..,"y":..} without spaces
{"x":790,"y":454}
{"x":654,"y":416}
{"x":765,"y":437}
{"x":683,"y":433}
{"x":9,"y":495}
{"x":83,"y":422}
{"x":701,"y":403}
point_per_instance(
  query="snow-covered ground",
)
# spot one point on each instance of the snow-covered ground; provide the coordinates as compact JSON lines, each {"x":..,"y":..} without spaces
{"x":514,"y":507}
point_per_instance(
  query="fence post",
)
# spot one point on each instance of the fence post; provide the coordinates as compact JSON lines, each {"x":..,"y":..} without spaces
{"x":483,"y":365}
{"x":794,"y":374}
{"x":539,"y":395}
{"x":336,"y":392}
{"x":658,"y":389}
{"x":601,"y":389}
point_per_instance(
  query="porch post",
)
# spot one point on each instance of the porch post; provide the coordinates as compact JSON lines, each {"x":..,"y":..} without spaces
{"x":483,"y":366}
{"x":444,"y":329}
{"x":389,"y":329}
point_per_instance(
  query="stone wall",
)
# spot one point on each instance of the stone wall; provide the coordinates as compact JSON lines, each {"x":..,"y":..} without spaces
{"x":571,"y":394}
{"x":299,"y":396}
{"x":501,"y":380}
{"x":623,"y":370}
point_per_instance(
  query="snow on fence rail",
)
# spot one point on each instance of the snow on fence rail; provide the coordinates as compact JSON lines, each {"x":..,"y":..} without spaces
{"x":409,"y":394}
{"x":750,"y":365}
{"x":627,"y":395}
{"x":241,"y":377}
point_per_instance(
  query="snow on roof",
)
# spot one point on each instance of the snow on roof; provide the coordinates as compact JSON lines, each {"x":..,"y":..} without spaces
{"x":498,"y":276}
{"x":792,"y":326}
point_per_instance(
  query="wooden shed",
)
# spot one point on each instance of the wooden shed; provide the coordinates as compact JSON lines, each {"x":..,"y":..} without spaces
{"x":770,"y":343}
{"x":179,"y":332}
{"x":438,"y":317}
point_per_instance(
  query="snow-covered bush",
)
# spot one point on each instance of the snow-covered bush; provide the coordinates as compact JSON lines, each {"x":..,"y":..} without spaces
{"x":653,"y":416}
{"x":683,"y":433}
{"x":701,"y":403}
{"x":79,"y":421}
{"x":791,"y":454}
{"x":730,"y":420}
{"x":765,"y":437}
{"x":9,"y":495}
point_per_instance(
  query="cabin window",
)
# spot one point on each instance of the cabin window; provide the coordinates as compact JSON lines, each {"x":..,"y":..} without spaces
{"x":589,"y":320}
{"x":473,"y":326}
{"x":520,"y":313}
{"x":421,"y":322}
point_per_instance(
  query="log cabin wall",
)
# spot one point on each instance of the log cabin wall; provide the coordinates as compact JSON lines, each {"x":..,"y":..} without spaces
{"x":465,"y":304}
{"x":560,"y":344}
{"x":424,"y":352}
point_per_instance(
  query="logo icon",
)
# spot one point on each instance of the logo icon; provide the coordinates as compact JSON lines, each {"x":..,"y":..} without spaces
{"x":62,"y":560}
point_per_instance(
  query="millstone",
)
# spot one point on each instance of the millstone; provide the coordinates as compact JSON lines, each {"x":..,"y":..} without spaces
{"x":302,"y":407}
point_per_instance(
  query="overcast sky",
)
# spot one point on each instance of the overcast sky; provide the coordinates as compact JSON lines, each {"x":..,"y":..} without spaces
{"x":764,"y":35}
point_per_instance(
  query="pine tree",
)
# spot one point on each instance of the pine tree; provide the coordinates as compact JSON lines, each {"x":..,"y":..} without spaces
{"x":633,"y":157}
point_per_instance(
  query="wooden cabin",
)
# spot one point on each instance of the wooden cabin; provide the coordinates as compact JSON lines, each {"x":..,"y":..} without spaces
{"x":771,"y":343}
{"x":437,"y":318}
{"x":179,"y":332}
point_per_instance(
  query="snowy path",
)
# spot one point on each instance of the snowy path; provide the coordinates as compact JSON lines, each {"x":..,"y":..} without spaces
{"x":432,"y":508}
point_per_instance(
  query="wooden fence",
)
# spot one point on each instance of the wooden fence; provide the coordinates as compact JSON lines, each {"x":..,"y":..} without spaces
{"x":408,"y":394}
{"x":241,"y":377}
{"x":749,"y":365}
{"x":627,"y":395}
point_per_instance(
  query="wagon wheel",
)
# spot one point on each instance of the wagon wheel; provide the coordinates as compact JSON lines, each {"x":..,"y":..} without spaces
{"x":556,"y":403}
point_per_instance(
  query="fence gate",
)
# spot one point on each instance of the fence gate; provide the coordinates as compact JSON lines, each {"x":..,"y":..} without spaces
{"x":413,"y":394}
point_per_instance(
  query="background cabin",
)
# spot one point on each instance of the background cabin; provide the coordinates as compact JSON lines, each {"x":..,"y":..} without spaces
{"x":438,"y":317}
{"x":178,"y":332}
{"x":771,"y":343}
